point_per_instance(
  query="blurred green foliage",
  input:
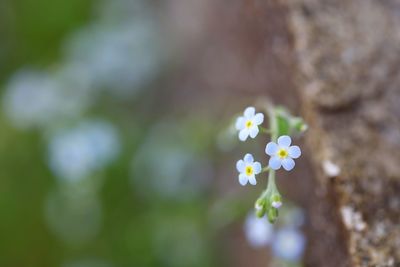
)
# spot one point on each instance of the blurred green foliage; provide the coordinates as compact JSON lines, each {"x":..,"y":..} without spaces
{"x":136,"y":229}
{"x":31,"y":31}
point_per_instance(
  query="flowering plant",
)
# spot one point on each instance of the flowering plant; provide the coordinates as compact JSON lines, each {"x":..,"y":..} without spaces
{"x":280,"y":150}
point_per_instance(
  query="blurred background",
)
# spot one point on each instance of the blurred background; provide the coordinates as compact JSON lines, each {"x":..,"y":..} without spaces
{"x":116,"y":147}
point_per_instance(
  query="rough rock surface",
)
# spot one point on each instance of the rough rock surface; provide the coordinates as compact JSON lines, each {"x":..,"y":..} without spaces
{"x":348,"y":55}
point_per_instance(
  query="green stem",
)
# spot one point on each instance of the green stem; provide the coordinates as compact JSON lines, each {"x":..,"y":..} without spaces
{"x":265,"y":169}
{"x":271,"y":192}
{"x":273,"y":125}
{"x":271,"y":186}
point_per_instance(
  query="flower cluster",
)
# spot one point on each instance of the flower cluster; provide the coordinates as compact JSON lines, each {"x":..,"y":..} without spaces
{"x":280,"y":150}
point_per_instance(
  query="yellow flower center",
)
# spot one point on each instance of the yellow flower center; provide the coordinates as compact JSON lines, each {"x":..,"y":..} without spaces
{"x":249,"y":123}
{"x":282,"y":153}
{"x":249,"y":170}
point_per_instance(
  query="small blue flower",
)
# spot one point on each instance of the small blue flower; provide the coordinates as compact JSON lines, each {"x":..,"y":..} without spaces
{"x":288,"y":244}
{"x":248,"y":168}
{"x":276,"y":204}
{"x":282,"y":154}
{"x":259,"y":231}
{"x":78,"y":152}
{"x":247,"y":125}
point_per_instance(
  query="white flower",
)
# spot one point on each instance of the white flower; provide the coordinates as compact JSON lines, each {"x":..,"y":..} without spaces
{"x":77,"y":152}
{"x":36,"y":98}
{"x":248,"y":124}
{"x":276,"y":204}
{"x":259,"y":232}
{"x":288,"y":244}
{"x":282,"y":154}
{"x":248,"y":170}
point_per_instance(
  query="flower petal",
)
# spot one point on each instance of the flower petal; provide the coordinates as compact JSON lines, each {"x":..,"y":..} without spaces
{"x":240,"y":166}
{"x":276,"y":204}
{"x":240,"y":123}
{"x":288,"y":164}
{"x":243,"y":179}
{"x":258,"y":118}
{"x":248,"y":158}
{"x":271,"y":149}
{"x":284,"y":141}
{"x":257,"y":167}
{"x":274,"y":163}
{"x":243,"y":134}
{"x":294,"y":152}
{"x":252,"y":180}
{"x":254,"y":131}
{"x":249,"y":112}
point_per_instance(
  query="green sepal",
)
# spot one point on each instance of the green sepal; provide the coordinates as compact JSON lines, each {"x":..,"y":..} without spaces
{"x":288,"y":124}
{"x":261,"y":207}
{"x":273,"y":214}
{"x":275,"y":198}
{"x":283,"y":125}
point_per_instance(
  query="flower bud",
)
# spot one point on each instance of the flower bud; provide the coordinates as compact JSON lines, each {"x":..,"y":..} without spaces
{"x":261,"y":207}
{"x":298,"y":125}
{"x":273,"y":214}
{"x":276,"y":201}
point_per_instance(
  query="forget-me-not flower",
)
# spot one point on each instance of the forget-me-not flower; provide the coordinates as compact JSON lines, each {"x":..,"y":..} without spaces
{"x":247,"y":125}
{"x":282,"y":154}
{"x":288,"y":244}
{"x":77,"y":152}
{"x":259,"y":232}
{"x":276,"y":204}
{"x":248,"y":169}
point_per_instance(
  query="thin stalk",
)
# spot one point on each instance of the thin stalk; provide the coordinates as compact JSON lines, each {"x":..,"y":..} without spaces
{"x":271,"y":186}
{"x":273,"y":131}
{"x":273,"y":124}
{"x":265,"y":169}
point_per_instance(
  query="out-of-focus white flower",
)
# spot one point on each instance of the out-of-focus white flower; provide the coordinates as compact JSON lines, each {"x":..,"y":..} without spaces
{"x":259,"y":232}
{"x":282,"y":154}
{"x":120,"y":58}
{"x":30,"y":99}
{"x":37,"y":98}
{"x":288,"y":244}
{"x":77,"y":152}
{"x":248,"y":169}
{"x":247,"y":125}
